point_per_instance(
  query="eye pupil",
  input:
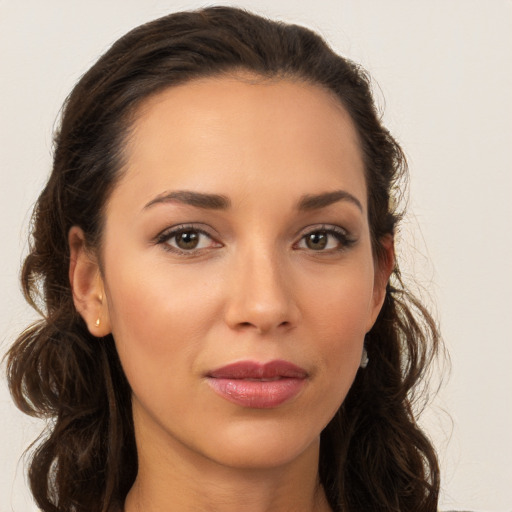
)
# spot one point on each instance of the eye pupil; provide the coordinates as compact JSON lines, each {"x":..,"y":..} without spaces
{"x":316,"y":240}
{"x":187,"y":240}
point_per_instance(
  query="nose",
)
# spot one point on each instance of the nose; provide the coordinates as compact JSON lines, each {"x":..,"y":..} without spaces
{"x":261,"y":295}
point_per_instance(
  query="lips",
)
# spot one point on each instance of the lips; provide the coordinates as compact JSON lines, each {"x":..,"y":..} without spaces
{"x":255,"y":385}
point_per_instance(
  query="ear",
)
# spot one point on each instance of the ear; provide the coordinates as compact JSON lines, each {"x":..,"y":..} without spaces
{"x":87,"y":285}
{"x":383,"y":268}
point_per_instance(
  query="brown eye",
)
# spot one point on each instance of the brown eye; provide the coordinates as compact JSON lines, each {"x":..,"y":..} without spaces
{"x":317,"y":240}
{"x":187,"y":240}
{"x":329,"y":239}
{"x":183,"y":240}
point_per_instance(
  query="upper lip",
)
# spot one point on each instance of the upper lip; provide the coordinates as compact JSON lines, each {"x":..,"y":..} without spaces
{"x":255,"y":370}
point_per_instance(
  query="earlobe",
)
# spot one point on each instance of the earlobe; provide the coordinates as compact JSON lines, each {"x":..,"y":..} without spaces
{"x":87,"y":284}
{"x":383,"y":269}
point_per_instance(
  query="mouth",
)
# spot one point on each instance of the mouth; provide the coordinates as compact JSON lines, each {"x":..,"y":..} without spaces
{"x":256,"y":385}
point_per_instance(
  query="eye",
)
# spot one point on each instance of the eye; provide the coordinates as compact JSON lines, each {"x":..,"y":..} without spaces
{"x":325,"y":239}
{"x":184,"y":239}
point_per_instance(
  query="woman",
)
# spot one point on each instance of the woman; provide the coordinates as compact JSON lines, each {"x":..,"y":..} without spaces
{"x":224,"y":326}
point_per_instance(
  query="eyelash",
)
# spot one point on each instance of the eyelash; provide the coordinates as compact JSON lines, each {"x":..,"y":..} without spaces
{"x":343,"y":238}
{"x":167,"y":235}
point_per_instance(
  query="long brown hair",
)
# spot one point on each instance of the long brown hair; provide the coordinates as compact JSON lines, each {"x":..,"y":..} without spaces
{"x":373,"y":455}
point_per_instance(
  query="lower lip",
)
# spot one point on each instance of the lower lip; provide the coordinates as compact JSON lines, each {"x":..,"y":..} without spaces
{"x":257,"y":394}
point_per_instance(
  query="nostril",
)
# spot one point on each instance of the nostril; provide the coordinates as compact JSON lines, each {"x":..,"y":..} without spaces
{"x":249,"y":325}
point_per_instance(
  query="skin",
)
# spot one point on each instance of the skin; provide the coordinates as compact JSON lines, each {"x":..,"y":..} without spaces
{"x":253,"y":289}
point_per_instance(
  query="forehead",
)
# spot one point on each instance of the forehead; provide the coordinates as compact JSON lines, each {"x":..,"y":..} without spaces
{"x":222,"y":134}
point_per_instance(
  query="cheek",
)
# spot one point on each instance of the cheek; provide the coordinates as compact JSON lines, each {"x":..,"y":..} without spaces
{"x":339,"y":305}
{"x":337,"y":317}
{"x":158,"y":317}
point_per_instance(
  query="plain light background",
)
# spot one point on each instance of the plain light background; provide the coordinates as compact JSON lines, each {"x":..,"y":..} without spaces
{"x":443,"y":73}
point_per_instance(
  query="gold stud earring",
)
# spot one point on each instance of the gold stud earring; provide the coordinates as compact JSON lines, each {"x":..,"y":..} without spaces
{"x":98,"y":321}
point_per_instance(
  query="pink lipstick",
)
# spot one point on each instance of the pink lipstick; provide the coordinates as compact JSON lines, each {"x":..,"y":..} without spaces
{"x":257,"y":385}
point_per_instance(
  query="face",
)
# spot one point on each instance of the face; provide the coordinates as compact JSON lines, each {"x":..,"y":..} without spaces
{"x":237,"y":268}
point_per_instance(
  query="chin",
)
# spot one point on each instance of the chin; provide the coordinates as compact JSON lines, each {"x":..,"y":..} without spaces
{"x":263,"y":446}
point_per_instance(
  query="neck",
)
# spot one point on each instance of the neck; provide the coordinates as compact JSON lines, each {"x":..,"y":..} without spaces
{"x":174,"y":478}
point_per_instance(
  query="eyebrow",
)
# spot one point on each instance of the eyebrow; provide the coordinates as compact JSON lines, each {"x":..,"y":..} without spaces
{"x":197,"y":199}
{"x":318,"y":201}
{"x":220,"y":202}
